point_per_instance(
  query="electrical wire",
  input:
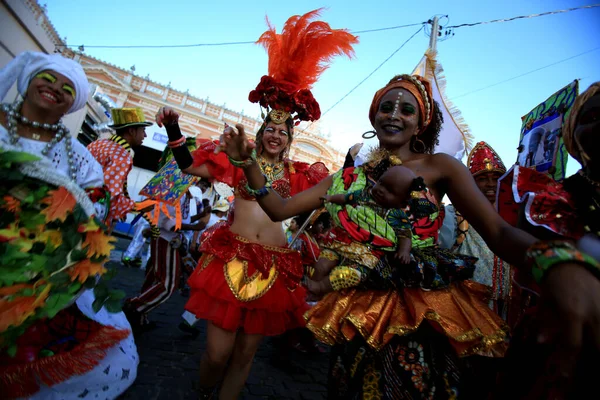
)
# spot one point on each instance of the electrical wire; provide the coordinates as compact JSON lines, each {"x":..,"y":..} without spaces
{"x":526,"y":73}
{"x":524,"y":16}
{"x":368,"y":76}
{"x":174,"y":46}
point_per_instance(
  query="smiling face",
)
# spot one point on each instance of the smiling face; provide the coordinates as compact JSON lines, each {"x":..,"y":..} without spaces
{"x":275,"y":139}
{"x":397,"y":118}
{"x":52,"y":93}
{"x":487,"y":182}
{"x":393,"y":188}
{"x":587,"y":130}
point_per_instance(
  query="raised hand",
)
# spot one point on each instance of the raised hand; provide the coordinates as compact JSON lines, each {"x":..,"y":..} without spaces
{"x":166,"y":116}
{"x":355,"y":149}
{"x":235,"y":143}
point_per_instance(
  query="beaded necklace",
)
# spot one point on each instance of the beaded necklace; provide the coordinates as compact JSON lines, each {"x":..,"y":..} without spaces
{"x":13,"y":114}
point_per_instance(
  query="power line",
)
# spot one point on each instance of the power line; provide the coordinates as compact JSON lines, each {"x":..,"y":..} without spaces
{"x":375,"y":70}
{"x":174,"y":46}
{"x":526,"y":73}
{"x":524,"y":16}
{"x":390,"y":28}
{"x":372,"y":72}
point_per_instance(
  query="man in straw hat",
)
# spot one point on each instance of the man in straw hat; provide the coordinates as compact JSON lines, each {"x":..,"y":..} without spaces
{"x":115,"y":156}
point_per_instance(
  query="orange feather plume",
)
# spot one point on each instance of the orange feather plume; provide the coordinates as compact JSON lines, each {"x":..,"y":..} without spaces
{"x":303,"y":50}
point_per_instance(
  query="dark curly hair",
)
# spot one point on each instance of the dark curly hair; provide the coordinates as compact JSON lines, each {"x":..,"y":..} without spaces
{"x":431,"y":135}
{"x":259,"y":136}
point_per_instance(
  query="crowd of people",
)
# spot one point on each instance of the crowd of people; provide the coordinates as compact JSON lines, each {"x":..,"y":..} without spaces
{"x":496,"y":296}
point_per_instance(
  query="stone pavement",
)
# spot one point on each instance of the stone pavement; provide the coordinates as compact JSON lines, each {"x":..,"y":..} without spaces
{"x":169,"y":358}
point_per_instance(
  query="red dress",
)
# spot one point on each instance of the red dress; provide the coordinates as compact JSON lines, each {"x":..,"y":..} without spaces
{"x":239,"y":284}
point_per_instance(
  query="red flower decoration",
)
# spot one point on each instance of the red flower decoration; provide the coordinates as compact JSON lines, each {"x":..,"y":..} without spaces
{"x":307,"y":107}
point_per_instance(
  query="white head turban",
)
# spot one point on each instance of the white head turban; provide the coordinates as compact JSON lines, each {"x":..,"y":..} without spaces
{"x":23,"y":68}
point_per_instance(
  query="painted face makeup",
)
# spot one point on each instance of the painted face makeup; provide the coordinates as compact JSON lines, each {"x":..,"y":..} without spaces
{"x":52,"y":79}
{"x":395,"y":113}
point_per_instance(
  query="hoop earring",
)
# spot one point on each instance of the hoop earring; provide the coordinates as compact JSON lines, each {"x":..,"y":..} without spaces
{"x":417,"y":145}
{"x":366,"y":135}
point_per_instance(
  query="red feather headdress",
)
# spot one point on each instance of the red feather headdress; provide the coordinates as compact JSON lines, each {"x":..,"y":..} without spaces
{"x":297,"y":57}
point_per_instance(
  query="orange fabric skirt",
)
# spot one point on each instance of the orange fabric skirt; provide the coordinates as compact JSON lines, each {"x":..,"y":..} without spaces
{"x":243,"y":285}
{"x":459,"y":312}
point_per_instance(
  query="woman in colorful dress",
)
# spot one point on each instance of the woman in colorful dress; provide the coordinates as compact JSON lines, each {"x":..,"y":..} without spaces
{"x":553,"y":210}
{"x":247,"y":283}
{"x":385,"y":349}
{"x":74,"y":352}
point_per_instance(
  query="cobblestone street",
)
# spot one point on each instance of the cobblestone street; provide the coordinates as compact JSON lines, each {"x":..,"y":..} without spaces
{"x":169,"y":358}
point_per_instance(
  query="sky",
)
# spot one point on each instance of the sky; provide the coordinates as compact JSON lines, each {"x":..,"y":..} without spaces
{"x":473,"y":58}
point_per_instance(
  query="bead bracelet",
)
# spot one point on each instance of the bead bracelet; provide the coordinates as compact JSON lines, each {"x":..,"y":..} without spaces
{"x":544,"y":255}
{"x":258,"y":193}
{"x":244,"y":163}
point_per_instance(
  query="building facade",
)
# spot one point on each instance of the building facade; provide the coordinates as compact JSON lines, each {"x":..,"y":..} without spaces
{"x":24,"y":26}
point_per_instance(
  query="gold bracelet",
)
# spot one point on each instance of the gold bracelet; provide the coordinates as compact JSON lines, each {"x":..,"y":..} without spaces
{"x":344,"y":277}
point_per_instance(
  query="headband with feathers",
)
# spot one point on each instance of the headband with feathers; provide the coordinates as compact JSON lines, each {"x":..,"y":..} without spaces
{"x":297,"y":57}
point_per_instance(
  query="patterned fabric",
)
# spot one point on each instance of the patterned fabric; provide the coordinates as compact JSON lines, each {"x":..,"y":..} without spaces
{"x":115,"y":158}
{"x":547,"y":203}
{"x":162,"y":277}
{"x":483,"y":159}
{"x":417,"y":366}
{"x":396,"y":218}
{"x":490,"y":269}
{"x":365,"y":231}
{"x":544,"y":255}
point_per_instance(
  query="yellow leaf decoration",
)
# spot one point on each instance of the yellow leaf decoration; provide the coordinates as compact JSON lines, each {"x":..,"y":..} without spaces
{"x":98,"y":243}
{"x":90,"y":226}
{"x":18,"y":309}
{"x":50,"y":236}
{"x":11,"y":233}
{"x":17,"y":236}
{"x":11,"y":204}
{"x":60,"y":203}
{"x":84,"y":269}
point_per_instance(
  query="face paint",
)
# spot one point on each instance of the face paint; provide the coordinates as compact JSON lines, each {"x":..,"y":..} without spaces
{"x":52,"y":79}
{"x":46,"y":76}
{"x":396,"y":111}
{"x":69,"y":89}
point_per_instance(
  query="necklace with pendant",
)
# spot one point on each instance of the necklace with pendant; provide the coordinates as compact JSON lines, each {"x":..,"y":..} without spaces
{"x":273,"y":171}
{"x":13,"y":114}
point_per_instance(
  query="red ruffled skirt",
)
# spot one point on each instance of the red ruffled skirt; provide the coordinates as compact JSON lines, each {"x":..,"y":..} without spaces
{"x":243,"y":285}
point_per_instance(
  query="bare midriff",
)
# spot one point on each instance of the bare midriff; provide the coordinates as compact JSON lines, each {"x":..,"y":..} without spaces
{"x":251,"y":222}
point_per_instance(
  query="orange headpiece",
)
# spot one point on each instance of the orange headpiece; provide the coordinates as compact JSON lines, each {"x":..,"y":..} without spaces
{"x":297,"y":57}
{"x":418,"y":87}
{"x":484,"y":159}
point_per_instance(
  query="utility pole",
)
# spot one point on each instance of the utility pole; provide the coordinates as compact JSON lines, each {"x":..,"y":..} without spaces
{"x":435,"y":24}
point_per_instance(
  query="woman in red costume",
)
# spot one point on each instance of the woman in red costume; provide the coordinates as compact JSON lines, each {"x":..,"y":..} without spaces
{"x":406,"y":342}
{"x":555,"y":210}
{"x":247,"y":283}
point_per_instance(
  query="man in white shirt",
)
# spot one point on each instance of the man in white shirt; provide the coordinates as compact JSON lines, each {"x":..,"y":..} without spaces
{"x":218,"y":213}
